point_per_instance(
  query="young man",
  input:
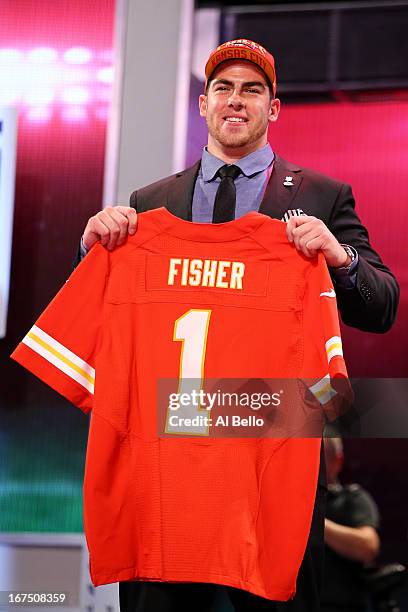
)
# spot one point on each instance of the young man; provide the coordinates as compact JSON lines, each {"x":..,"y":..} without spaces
{"x":238,"y":105}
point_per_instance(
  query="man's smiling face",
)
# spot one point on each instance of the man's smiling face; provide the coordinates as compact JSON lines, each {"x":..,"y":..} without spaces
{"x":238,"y":108}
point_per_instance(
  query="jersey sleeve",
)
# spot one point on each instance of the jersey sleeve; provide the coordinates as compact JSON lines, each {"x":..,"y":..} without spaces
{"x":62,"y":346}
{"x":324,"y":367}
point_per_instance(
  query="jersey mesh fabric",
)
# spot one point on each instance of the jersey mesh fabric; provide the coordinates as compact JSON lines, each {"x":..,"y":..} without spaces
{"x":232,"y":511}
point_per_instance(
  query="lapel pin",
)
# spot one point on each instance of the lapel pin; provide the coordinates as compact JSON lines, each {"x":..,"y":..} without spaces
{"x":288,"y":182}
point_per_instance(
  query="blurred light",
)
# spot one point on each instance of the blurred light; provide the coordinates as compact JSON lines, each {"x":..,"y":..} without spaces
{"x":42,"y":76}
{"x":77,"y":55}
{"x":40,"y":96}
{"x":75,"y":75}
{"x":9,"y":93}
{"x":39,"y":113}
{"x":37,"y":78}
{"x":75,"y":95}
{"x":105,"y":75}
{"x":102,"y":113}
{"x":10,"y":56}
{"x":11,"y":79}
{"x":103,"y":93}
{"x":106,"y":56}
{"x":42,"y":55}
{"x":75,"y":113}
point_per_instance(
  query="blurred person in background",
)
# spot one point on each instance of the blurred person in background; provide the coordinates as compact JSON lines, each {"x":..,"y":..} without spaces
{"x":351,"y":537}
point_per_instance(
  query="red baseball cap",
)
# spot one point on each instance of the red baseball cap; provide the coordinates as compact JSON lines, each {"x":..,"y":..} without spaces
{"x":243,"y":49}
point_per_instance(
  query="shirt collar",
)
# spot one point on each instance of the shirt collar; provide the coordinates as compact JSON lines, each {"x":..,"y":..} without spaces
{"x":251,"y":164}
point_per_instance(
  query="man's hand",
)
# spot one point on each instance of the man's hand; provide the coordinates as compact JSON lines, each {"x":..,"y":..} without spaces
{"x":310,"y":235}
{"x":111,"y":226}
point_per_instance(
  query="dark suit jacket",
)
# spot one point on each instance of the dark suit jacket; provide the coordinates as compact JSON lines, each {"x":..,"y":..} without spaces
{"x":372,"y":305}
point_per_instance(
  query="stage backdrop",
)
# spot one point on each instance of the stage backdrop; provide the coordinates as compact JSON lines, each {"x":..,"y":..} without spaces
{"x":56,"y":69}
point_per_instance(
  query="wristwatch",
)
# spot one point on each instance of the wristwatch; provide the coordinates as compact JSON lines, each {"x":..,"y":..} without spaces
{"x":351,"y":253}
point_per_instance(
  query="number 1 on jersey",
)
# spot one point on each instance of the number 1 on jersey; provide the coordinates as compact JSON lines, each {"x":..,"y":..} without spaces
{"x":191,"y":329}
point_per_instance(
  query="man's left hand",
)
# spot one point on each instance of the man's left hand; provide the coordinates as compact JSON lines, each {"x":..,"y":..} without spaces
{"x":310,"y":235}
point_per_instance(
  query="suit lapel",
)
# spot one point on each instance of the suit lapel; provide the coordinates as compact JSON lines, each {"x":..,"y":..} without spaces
{"x":278,"y":197}
{"x":180,"y":196}
{"x":277,"y":200}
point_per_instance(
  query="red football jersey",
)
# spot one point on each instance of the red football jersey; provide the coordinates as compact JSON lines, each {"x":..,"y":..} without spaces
{"x":189,"y":302}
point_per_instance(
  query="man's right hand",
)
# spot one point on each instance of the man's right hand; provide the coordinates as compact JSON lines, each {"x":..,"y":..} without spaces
{"x":111,"y":226}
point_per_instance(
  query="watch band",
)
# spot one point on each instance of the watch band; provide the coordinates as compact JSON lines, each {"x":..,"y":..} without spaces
{"x":351,"y":253}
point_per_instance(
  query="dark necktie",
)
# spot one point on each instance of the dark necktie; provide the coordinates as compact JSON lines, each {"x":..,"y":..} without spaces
{"x":224,"y":205}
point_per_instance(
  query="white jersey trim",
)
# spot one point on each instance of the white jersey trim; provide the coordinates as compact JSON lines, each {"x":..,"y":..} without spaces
{"x":334,"y":348}
{"x":322,"y":390}
{"x":61,"y":357}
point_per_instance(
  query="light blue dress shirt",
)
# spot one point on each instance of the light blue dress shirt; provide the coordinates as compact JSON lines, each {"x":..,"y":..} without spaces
{"x":250,"y":184}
